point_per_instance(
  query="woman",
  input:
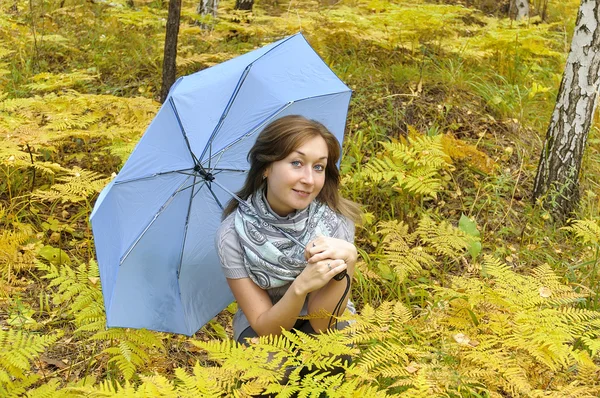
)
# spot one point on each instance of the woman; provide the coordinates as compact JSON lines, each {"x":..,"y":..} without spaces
{"x":290,"y":194}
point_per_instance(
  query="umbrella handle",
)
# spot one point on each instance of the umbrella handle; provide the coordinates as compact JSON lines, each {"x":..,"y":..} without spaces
{"x":340,"y":276}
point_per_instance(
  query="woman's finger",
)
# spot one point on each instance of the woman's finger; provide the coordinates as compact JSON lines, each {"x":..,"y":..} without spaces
{"x":310,"y":249}
{"x":337,"y":269}
{"x":333,"y":265}
{"x":315,"y":258}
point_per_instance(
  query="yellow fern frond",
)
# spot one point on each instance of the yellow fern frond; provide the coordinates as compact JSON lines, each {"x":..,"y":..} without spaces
{"x":443,"y":238}
{"x":44,"y":82}
{"x":201,"y":383}
{"x":78,"y":186}
{"x":15,"y":255}
{"x":414,"y":169}
{"x":132,"y":348}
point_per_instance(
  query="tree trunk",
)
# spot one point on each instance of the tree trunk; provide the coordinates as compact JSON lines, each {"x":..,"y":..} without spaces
{"x":244,"y":5}
{"x":557,"y":181}
{"x":522,"y":7}
{"x":207,"y":7}
{"x":170,"y":53}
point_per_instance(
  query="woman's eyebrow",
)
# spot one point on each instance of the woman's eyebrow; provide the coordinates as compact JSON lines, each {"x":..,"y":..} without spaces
{"x":303,"y":154}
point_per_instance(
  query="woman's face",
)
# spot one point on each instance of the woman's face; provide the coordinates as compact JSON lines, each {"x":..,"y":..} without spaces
{"x":294,"y":182}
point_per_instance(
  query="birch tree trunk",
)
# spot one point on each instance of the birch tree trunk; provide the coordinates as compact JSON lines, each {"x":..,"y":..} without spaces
{"x":557,"y":180}
{"x":522,"y":7}
{"x":244,"y":4}
{"x":170,"y":53}
{"x":206,"y":7}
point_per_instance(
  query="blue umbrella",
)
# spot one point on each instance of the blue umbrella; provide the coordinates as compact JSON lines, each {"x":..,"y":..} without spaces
{"x":154,"y":224}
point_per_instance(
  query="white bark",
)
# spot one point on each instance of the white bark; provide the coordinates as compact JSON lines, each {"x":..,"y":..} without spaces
{"x":522,"y":9}
{"x":206,"y":7}
{"x":558,"y":172}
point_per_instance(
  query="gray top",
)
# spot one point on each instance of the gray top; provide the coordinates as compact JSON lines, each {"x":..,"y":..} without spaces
{"x":232,"y":263}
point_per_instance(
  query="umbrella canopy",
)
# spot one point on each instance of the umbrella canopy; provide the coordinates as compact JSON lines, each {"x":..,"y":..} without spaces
{"x":154,"y":224}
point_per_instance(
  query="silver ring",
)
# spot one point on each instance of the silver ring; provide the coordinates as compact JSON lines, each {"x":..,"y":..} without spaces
{"x":329,"y":266}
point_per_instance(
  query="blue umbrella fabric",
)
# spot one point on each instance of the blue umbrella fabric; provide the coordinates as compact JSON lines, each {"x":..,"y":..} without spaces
{"x":154,"y":224}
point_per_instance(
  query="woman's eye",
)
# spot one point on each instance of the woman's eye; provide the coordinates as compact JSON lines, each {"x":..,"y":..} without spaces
{"x":319,"y":167}
{"x":296,"y":163}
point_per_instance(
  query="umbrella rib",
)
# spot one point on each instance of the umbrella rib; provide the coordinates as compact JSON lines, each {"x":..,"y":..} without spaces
{"x":227,"y":108}
{"x":234,"y":96}
{"x":158,"y":213}
{"x":219,"y":171}
{"x":251,"y":132}
{"x":172,"y":102}
{"x":191,"y":186}
{"x":152,"y":176}
{"x":264,"y":122}
{"x":187,"y":221}
{"x":215,"y":196}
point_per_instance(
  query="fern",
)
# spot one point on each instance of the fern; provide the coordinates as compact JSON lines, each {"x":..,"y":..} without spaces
{"x":79,"y":185}
{"x":15,"y":255}
{"x":200,"y":383}
{"x":79,"y":294}
{"x":44,"y":82}
{"x":414,"y":169}
{"x":409,"y":253}
{"x":587,"y":231}
{"x":17,"y":350}
{"x":443,"y":238}
{"x":132,"y":348}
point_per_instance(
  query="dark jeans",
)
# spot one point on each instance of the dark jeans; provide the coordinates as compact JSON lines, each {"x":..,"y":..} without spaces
{"x":302,"y":325}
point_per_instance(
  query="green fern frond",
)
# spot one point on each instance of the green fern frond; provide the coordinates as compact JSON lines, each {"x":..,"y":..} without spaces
{"x":587,"y":231}
{"x":17,"y":350}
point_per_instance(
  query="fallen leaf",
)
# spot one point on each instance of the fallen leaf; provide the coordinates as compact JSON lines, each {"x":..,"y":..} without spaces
{"x":461,"y":339}
{"x":545,"y":292}
{"x":411,"y":368}
{"x":53,"y":362}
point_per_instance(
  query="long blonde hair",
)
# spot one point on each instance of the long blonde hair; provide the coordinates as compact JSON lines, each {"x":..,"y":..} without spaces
{"x":276,"y":142}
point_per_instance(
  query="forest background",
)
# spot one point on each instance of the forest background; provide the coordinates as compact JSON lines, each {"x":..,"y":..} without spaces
{"x":465,"y":287}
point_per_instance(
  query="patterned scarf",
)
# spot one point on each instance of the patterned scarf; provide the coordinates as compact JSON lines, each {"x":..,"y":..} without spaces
{"x":272,"y":259}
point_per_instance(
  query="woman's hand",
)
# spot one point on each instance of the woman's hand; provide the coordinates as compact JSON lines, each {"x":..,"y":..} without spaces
{"x":317,"y":274}
{"x":323,"y":248}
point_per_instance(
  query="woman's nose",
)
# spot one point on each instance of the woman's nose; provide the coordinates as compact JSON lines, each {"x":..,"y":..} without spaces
{"x":307,"y":177}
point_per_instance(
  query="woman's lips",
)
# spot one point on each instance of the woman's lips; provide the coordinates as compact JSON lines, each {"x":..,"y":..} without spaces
{"x":304,"y":194}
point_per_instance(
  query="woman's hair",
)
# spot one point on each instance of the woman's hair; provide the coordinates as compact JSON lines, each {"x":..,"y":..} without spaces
{"x":276,"y":142}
